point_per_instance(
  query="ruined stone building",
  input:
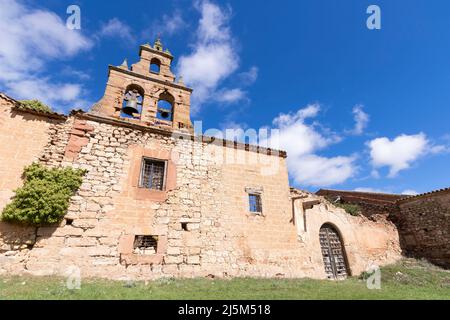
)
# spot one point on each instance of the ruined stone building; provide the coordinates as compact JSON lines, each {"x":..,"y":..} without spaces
{"x":159,"y":201}
{"x":422,"y":221}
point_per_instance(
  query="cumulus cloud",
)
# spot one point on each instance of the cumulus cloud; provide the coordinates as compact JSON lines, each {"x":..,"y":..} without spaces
{"x":401,"y":152}
{"x":302,"y":141}
{"x":114,"y":28}
{"x":410,"y":192}
{"x":30,"y":39}
{"x":361,"y":120}
{"x":230,"y":95}
{"x":314,"y":170}
{"x":213,"y":59}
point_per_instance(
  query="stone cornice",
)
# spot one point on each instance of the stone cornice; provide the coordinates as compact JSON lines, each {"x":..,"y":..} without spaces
{"x":137,"y":75}
{"x":162,"y":53}
{"x":178,"y":134}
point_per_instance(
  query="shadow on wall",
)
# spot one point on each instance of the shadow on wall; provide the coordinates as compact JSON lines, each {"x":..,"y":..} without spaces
{"x":15,"y":237}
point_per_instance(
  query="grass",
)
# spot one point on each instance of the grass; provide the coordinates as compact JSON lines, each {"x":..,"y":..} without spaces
{"x":408,"y":279}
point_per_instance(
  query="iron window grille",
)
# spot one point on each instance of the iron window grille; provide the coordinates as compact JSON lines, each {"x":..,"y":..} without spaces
{"x":153,"y":173}
{"x":145,"y":245}
{"x":255,"y":205}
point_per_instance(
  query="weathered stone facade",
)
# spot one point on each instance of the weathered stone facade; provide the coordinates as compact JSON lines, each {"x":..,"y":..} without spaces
{"x":422,"y":221}
{"x":200,"y":219}
{"x":372,"y":205}
{"x":424,"y":226}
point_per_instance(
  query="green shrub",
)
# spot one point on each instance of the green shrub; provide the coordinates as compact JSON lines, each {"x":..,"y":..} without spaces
{"x":34,"y":105}
{"x":44,"y":197}
{"x":352,"y":209}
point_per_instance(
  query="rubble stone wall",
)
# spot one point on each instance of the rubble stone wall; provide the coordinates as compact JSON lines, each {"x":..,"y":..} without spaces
{"x":201,"y":220}
{"x":23,"y":136}
{"x":424,"y":226}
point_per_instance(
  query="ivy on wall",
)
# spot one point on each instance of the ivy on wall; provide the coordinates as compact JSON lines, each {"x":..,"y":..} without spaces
{"x":34,"y":105}
{"x":44,"y":197}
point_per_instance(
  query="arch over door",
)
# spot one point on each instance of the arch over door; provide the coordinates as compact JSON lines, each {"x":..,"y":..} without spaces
{"x":332,"y":252}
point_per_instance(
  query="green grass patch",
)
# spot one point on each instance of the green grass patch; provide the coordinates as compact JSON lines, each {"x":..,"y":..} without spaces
{"x":408,"y":279}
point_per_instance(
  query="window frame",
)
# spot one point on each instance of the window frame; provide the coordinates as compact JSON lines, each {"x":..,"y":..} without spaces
{"x":142,"y":238}
{"x":141,"y":174}
{"x":258,"y":197}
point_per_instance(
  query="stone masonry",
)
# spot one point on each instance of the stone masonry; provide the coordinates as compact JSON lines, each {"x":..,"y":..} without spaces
{"x":199,"y":223}
{"x":424,"y":226}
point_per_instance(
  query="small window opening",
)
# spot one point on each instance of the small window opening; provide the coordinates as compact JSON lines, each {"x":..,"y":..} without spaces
{"x":145,"y":245}
{"x":255,"y":203}
{"x":153,"y":174}
{"x":69,"y":222}
{"x":155,"y":65}
{"x":184,"y":226}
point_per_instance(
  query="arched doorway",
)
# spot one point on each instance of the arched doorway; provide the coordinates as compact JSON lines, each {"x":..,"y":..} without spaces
{"x":332,"y":252}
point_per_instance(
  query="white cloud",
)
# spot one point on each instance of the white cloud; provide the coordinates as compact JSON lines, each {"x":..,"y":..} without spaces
{"x":69,"y":71}
{"x":302,"y":141}
{"x":167,"y":26}
{"x":410,"y":192}
{"x":250,"y":76}
{"x":171,"y":24}
{"x":230,"y":95}
{"x":30,"y":39}
{"x":361,"y":120}
{"x":115,"y":28}
{"x":314,"y":170}
{"x":400,"y":153}
{"x":213,"y":59}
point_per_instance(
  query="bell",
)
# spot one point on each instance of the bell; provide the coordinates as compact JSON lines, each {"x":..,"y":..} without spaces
{"x":164,"y":114}
{"x":131,"y":107}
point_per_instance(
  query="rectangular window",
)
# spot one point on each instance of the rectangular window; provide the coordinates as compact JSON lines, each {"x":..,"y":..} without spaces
{"x":153,"y":174}
{"x":255,"y":203}
{"x":146,"y":245}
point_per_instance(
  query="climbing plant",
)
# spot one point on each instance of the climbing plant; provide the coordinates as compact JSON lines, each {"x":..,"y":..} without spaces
{"x":44,"y":197}
{"x":34,"y":105}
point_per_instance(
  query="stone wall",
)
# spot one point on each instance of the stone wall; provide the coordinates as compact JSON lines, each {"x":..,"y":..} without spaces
{"x":365,"y":242}
{"x":23,"y":136}
{"x":372,"y":205}
{"x":424,"y":226}
{"x":201,"y":220}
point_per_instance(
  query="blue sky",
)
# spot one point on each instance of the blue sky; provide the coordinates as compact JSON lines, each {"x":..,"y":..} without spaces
{"x":356,"y":108}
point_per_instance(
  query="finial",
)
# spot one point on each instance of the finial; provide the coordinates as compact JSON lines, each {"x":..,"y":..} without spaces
{"x":180,"y":80}
{"x":158,"y":45}
{"x":124,"y":63}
